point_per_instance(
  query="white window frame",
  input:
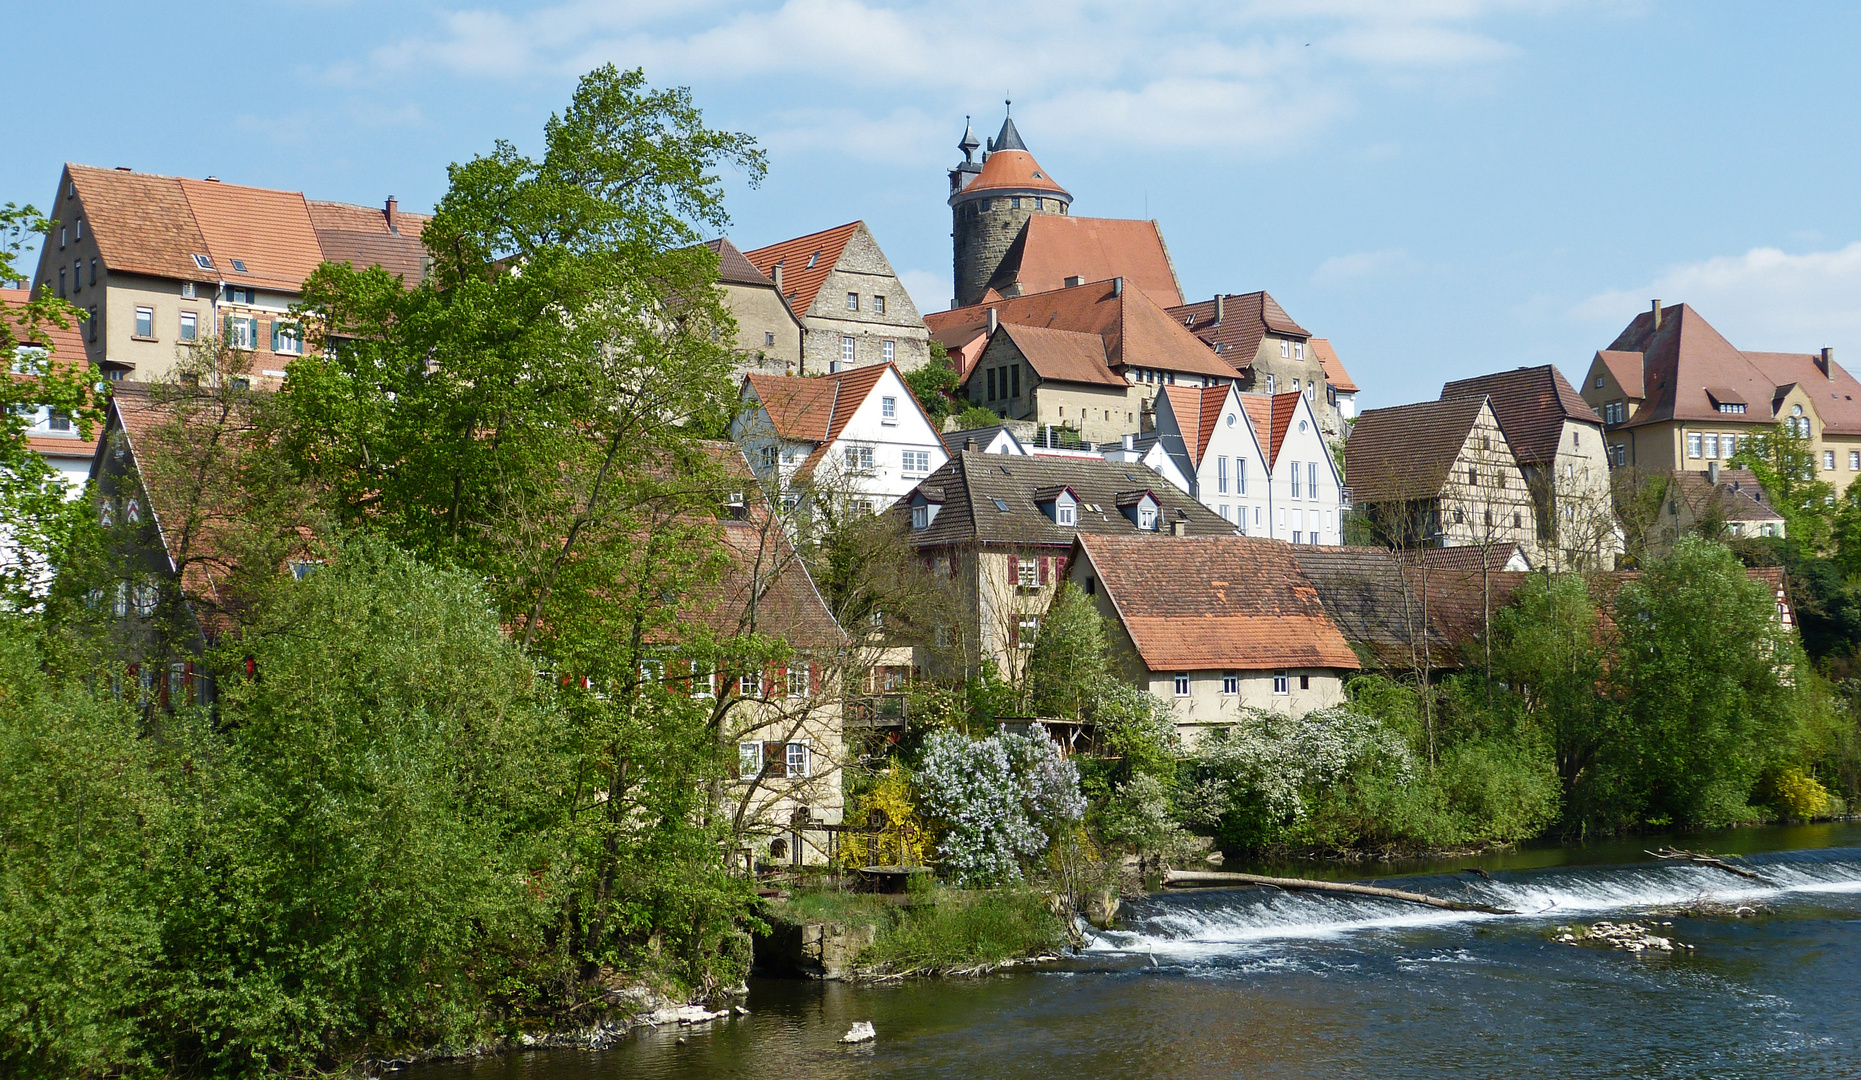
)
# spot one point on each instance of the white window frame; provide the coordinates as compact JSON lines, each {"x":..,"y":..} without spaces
{"x":1298,"y":350}
{"x":920,"y":517}
{"x":749,"y":684}
{"x":245,"y":333}
{"x":1711,"y":447}
{"x":1065,"y":513}
{"x":1282,"y":683}
{"x":888,"y":409}
{"x":1295,"y":481}
{"x":1828,"y":460}
{"x":852,"y":301}
{"x":1027,"y":573}
{"x":1182,"y":686}
{"x":1693,"y":445}
{"x":1285,"y":348}
{"x":1146,"y":519}
{"x":798,"y":681}
{"x":1027,"y":628}
{"x":890,"y":349}
{"x":1221,"y":475}
{"x":190,"y":326}
{"x":749,"y":760}
{"x":799,"y":759}
{"x":145,"y":322}
{"x":289,"y":338}
{"x":846,"y":349}
{"x":1230,"y":684}
{"x":1311,"y":479}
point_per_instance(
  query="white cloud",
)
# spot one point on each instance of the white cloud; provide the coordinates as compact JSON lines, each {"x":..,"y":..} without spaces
{"x":1361,"y":264}
{"x":1763,"y":300}
{"x":1099,"y":77}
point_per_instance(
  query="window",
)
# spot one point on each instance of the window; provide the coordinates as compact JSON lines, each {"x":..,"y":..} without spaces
{"x":1295,"y":479}
{"x":28,"y":360}
{"x":890,"y":349}
{"x":878,"y":304}
{"x":1311,"y":388}
{"x":1473,"y":477}
{"x":846,"y":350}
{"x":1014,"y":371}
{"x":1295,"y":386}
{"x":749,"y":759}
{"x":240,"y":294}
{"x":920,"y":517}
{"x":1599,"y":382}
{"x":1027,"y":573}
{"x":1311,"y":479}
{"x":1280,"y":683}
{"x":1269,"y":382}
{"x":1712,"y":445}
{"x":888,"y":408}
{"x":1305,"y":682}
{"x":1828,"y":459}
{"x":92,"y":325}
{"x":991,"y":377}
{"x":203,"y":262}
{"x":1730,"y":444}
{"x":798,"y":681}
{"x":1298,"y":537}
{"x":750,"y":685}
{"x":1221,"y":475}
{"x":1182,"y":686}
{"x":1025,"y":628}
{"x":1298,"y":350}
{"x":1693,"y":445}
{"x":61,"y":283}
{"x":1285,"y":348}
{"x":1014,"y":202}
{"x":1240,"y":476}
{"x":768,"y":455}
{"x":768,"y":337}
{"x":1731,"y":407}
{"x":1517,"y":521}
{"x":703,"y":683}
{"x":188,"y":292}
{"x":798,"y":762}
{"x":287,"y":338}
{"x":93,"y":272}
{"x":917,"y":462}
{"x":243,"y":332}
{"x":77,"y":275}
{"x":859,"y":457}
{"x":1065,"y":513}
{"x":1854,"y":461}
{"x":239,"y":266}
{"x":145,"y":322}
{"x":852,"y":301}
{"x":1230,"y":683}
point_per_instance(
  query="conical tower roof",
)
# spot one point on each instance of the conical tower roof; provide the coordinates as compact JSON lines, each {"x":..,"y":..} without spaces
{"x":1008,"y":138}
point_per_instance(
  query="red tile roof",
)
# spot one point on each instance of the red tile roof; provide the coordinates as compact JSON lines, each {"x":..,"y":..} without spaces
{"x":1625,"y":369}
{"x":1198,"y":411}
{"x":1271,"y":417}
{"x":733,"y":268}
{"x":1531,"y":404}
{"x":1063,"y":355}
{"x":1684,"y":355}
{"x":150,"y":224}
{"x":1235,"y":603}
{"x":1051,"y":248}
{"x":1136,"y":332}
{"x":1245,"y":321}
{"x":1013,"y":170}
{"x":67,"y":348}
{"x":1334,"y":367}
{"x":806,"y":262}
{"x":817,"y":408}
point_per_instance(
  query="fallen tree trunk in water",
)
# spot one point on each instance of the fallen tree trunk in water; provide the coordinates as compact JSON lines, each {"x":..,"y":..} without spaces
{"x":1212,"y":879}
{"x":1715,"y":862}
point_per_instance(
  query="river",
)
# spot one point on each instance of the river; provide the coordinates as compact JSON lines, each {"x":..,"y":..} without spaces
{"x":1266,"y":984}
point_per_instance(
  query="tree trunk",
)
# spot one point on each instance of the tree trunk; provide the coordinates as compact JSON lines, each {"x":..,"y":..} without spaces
{"x":1214,"y":879}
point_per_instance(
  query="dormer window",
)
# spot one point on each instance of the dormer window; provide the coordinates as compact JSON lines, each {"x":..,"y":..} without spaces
{"x":1146,"y":518}
{"x":1060,"y":504}
{"x":920,"y":517}
{"x":1066,"y":515}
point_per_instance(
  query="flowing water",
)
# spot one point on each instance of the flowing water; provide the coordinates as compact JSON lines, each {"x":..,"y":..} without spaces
{"x":1267,"y":984}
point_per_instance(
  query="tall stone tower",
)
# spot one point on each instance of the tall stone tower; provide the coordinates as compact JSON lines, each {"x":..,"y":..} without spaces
{"x":990,"y":201}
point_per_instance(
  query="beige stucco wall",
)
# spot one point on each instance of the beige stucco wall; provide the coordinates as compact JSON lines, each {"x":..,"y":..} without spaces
{"x":1576,"y":501}
{"x":1284,"y":369}
{"x":815,"y":720}
{"x":768,"y":335}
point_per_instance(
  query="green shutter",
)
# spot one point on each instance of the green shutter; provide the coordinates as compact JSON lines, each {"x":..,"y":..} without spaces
{"x":274,"y":335}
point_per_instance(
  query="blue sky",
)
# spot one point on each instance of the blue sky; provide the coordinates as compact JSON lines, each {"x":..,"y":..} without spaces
{"x":1442,"y":187}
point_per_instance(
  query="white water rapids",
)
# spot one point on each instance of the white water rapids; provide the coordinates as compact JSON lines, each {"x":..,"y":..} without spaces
{"x":1211,"y":922}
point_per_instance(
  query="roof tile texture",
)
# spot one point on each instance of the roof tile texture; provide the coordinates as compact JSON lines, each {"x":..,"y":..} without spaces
{"x":1051,"y":248}
{"x":1334,"y":367}
{"x":1405,"y":452}
{"x":1012,"y":170}
{"x":1246,"y":319}
{"x":1531,"y":405}
{"x":806,"y":262}
{"x":1230,"y":602}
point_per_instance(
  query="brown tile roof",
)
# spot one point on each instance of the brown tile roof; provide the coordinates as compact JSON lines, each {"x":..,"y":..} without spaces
{"x":1246,"y":320}
{"x":1685,"y":355}
{"x":1738,"y":495}
{"x":1051,"y":248}
{"x":1229,"y":602}
{"x":732,"y":267}
{"x":806,"y":262}
{"x":1405,"y":452}
{"x":150,"y":224}
{"x":1376,"y":597}
{"x":1013,"y":170}
{"x":1136,"y":332}
{"x":1531,"y":404}
{"x":1334,"y":367}
{"x":971,"y":482}
{"x":765,"y":589}
{"x":1271,"y":417}
{"x":1625,"y":369}
{"x":1063,"y":355}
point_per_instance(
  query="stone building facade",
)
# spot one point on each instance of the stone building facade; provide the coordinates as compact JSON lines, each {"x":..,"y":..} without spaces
{"x":854,"y":311}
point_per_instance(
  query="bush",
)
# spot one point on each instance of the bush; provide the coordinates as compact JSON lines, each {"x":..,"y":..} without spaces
{"x":947,"y":930}
{"x":997,"y":803}
{"x":1796,"y":796}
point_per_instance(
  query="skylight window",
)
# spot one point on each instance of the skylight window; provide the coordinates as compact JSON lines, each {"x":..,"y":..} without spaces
{"x":1002,"y":506}
{"x":812,"y":259}
{"x":239,"y":266}
{"x":203,"y":262}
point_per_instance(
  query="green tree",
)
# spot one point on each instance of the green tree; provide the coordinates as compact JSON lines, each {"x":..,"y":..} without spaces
{"x":1786,"y":467}
{"x":35,"y":516}
{"x":934,"y":385}
{"x":1548,"y":646}
{"x":1068,"y":658}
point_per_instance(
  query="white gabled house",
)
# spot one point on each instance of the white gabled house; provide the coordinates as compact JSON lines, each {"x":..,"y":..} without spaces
{"x":860,"y":433}
{"x":1210,"y":441}
{"x":1305,"y":495}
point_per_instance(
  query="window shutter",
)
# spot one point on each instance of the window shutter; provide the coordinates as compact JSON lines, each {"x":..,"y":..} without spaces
{"x":814,"y":679}
{"x":775,"y":758}
{"x":274,"y":335}
{"x":1014,"y":633}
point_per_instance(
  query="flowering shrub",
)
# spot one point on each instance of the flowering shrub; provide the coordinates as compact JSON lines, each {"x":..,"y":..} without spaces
{"x":1268,"y":767}
{"x":1001,"y":801}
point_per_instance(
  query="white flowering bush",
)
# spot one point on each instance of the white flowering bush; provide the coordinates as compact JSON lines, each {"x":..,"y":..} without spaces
{"x":1266,"y":769}
{"x":1000,"y":801}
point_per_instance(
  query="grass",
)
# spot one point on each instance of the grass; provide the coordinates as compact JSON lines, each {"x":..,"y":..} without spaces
{"x":949,"y":931}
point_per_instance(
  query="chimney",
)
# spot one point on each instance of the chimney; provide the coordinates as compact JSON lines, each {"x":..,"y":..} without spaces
{"x":393,"y":214}
{"x":969,"y":444}
{"x":213,"y":179}
{"x":1712,"y":473}
{"x":1117,"y":286}
{"x":1220,"y":307}
{"x":1179,"y":528}
{"x":1655,"y":307}
{"x":1828,"y":364}
{"x":1130,"y":441}
{"x":776,"y":273}
{"x":1074,"y":279}
{"x":994,"y":321}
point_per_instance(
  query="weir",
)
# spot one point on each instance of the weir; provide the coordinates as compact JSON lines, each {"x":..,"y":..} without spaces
{"x":1206,"y":921}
